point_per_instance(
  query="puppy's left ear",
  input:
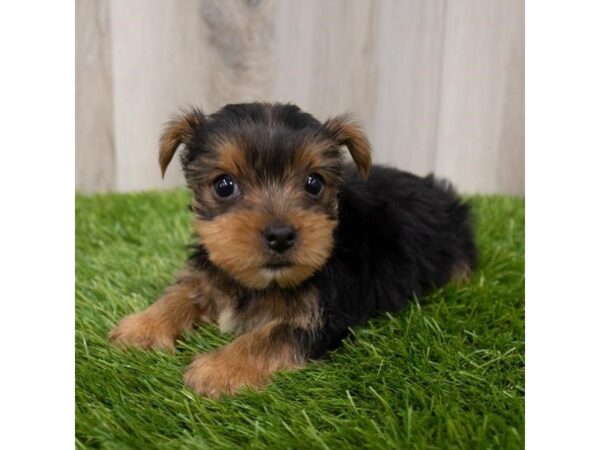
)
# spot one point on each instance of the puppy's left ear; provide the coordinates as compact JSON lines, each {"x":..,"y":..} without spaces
{"x":347,"y":132}
{"x":180,"y":130}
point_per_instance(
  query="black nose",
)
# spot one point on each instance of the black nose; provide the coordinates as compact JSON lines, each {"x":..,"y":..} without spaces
{"x":280,"y":237}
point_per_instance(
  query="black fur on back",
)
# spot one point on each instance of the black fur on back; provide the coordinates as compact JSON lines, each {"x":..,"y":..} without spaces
{"x":399,"y":235}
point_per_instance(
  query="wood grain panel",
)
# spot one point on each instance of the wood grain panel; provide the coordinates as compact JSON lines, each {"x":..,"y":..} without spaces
{"x":408,"y":59}
{"x":480,"y":132}
{"x":94,"y":132}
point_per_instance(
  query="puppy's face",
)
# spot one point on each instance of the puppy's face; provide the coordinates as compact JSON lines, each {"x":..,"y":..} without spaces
{"x":264,"y":181}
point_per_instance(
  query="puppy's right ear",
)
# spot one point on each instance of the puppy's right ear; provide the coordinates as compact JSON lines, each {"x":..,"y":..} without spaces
{"x":180,"y":130}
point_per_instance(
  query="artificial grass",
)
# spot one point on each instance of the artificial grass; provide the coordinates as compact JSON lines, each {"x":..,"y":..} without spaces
{"x":448,"y":372}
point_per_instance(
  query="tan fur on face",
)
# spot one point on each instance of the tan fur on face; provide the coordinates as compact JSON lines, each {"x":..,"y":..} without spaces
{"x":232,"y":229}
{"x":232,"y":159}
{"x":234,"y":243}
{"x":246,"y":362}
{"x":312,"y":155}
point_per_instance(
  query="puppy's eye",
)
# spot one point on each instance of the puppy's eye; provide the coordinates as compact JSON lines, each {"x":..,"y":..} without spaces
{"x":314,"y":184}
{"x":225,"y":186}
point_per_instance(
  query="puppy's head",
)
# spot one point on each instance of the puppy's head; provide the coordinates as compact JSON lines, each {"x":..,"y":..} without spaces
{"x":264,"y":181}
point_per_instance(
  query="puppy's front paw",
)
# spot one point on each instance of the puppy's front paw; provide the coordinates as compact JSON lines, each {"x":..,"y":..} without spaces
{"x":222,"y":372}
{"x":143,"y":331}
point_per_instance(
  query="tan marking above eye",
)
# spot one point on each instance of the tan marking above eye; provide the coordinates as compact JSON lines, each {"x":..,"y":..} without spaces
{"x":231,"y":158}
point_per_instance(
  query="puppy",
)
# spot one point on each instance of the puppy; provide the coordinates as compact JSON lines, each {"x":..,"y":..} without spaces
{"x":294,"y":246}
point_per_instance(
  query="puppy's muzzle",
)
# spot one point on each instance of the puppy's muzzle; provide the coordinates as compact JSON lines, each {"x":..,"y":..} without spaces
{"x":279,"y":238}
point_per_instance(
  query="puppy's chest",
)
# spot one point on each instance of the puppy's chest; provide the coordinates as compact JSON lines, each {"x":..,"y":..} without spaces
{"x":241,"y":314}
{"x":245,"y":312}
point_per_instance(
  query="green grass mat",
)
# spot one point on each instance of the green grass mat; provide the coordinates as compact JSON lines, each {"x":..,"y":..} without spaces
{"x":448,"y":372}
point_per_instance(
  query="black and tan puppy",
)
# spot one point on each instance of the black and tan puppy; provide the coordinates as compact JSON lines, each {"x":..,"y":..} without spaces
{"x":294,"y":245}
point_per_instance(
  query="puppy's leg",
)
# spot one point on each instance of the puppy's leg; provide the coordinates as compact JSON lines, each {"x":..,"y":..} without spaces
{"x":248,"y":361}
{"x":160,"y":324}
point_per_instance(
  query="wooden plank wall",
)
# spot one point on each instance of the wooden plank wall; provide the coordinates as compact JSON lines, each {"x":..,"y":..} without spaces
{"x":438,"y":85}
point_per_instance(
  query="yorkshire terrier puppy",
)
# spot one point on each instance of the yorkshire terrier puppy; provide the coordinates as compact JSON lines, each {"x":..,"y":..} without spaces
{"x":294,"y":245}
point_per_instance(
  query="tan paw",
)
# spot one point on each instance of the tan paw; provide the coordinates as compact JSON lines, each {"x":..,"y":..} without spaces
{"x":143,"y":331}
{"x":220,"y":373}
